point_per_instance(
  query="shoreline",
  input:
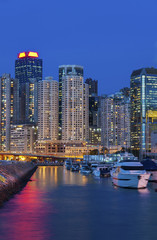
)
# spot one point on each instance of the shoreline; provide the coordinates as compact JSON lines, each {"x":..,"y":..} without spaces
{"x":13,"y":177}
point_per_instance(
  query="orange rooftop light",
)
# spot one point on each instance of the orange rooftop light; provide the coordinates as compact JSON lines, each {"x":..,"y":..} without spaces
{"x":28,"y":54}
{"x":22,"y":55}
{"x":33,"y":54}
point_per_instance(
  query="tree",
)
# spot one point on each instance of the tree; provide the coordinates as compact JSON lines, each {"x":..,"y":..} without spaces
{"x":93,"y":152}
{"x":123,"y":149}
{"x":104,"y":150}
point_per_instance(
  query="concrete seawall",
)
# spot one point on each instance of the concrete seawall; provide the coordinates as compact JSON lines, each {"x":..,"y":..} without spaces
{"x":13,"y":177}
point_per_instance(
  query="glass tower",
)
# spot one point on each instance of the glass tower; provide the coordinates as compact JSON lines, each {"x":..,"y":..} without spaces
{"x":28,"y":66}
{"x":143,"y":95}
{"x":28,"y":70}
{"x":94,"y":107}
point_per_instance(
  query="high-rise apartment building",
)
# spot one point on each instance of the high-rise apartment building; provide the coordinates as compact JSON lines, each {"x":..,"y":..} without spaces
{"x":143,"y":93}
{"x":28,"y":70}
{"x":6,"y":110}
{"x":95,"y":135}
{"x":94,"y":105}
{"x":115,"y":121}
{"x":31,"y":110}
{"x":86,"y":112}
{"x":74,"y":104}
{"x":66,"y":70}
{"x":48,"y":109}
{"x":93,"y":101}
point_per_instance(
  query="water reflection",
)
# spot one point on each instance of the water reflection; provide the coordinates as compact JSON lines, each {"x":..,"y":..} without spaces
{"x":54,"y":176}
{"x":24,"y":216}
{"x":144,"y":191}
{"x":62,"y":205}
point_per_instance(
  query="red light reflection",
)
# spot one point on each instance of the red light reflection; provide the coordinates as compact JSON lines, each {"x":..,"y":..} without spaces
{"x":27,"y":216}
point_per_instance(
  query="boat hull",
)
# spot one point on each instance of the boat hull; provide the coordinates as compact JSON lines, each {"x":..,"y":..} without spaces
{"x":153,"y":176}
{"x":131,"y":180}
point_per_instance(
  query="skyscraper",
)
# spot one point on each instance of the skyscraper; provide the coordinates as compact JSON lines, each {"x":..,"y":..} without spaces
{"x":31,"y":110}
{"x":93,"y":101}
{"x":94,"y":104}
{"x":74,"y":104}
{"x":143,"y":94}
{"x":48,"y":109}
{"x":66,"y":70}
{"x":6,"y":110}
{"x":115,"y":129}
{"x":28,"y":68}
{"x":86,"y":112}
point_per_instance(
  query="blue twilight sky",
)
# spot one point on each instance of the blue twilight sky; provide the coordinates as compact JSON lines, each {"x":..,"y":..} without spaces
{"x":110,"y":38}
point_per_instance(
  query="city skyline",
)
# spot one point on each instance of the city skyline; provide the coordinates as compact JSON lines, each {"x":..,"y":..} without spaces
{"x":108,"y":38}
{"x":71,"y":109}
{"x":78,"y":119}
{"x":99,"y":88}
{"x":38,"y":57}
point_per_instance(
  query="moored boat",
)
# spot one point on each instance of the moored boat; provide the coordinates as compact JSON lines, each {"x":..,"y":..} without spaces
{"x":102,"y":171}
{"x":129,"y":174}
{"x":68,"y":164}
{"x":151,"y":167}
{"x":85,"y":169}
{"x":75,"y":167}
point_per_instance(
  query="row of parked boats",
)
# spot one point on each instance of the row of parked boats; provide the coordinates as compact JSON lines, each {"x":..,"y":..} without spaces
{"x":97,"y":169}
{"x":127,"y":172}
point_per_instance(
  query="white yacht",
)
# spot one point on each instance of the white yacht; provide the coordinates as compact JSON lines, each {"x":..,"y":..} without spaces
{"x":129,"y":174}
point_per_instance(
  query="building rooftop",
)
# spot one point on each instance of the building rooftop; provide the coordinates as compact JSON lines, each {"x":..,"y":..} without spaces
{"x":152,"y":71}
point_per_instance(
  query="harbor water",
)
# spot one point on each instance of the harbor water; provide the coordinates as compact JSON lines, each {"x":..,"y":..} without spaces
{"x":61,"y":205}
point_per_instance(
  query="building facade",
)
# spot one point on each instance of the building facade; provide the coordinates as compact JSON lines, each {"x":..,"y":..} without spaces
{"x":50,"y":147}
{"x":74,"y":105}
{"x":95,"y":135}
{"x":6,"y":110}
{"x":115,"y":119}
{"x":66,"y":70}
{"x":94,"y":106}
{"x":31,"y":110}
{"x":93,"y":87}
{"x":85,"y":112}
{"x":143,"y":87}
{"x":93,"y":101}
{"x":48,"y":109}
{"x":23,"y":138}
{"x":28,"y":68}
